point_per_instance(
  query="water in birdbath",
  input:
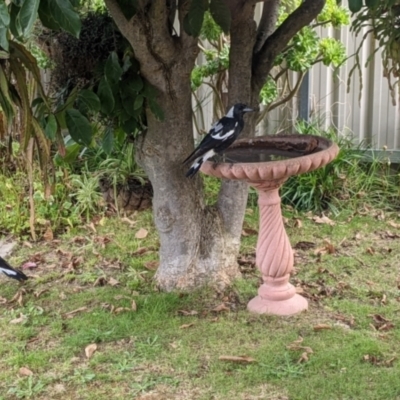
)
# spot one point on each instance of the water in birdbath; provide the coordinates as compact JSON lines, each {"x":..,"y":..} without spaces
{"x":255,"y":155}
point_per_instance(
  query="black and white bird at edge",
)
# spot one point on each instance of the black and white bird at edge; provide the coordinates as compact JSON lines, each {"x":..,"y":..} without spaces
{"x":11,"y":272}
{"x":221,"y":135}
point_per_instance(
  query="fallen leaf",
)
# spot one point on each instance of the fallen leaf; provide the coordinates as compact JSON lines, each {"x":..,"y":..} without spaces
{"x":151,"y":265}
{"x":119,"y":310}
{"x":113,"y":282}
{"x":304,"y":245}
{"x":141,"y":233}
{"x":48,"y":236}
{"x":321,"y":327}
{"x":22,"y":318}
{"x":187,"y":313}
{"x":90,"y":349}
{"x":100,"y":281}
{"x":370,"y":251}
{"x":249,"y":232}
{"x":394,"y":224}
{"x":28,"y":244}
{"x":29,"y":264}
{"x":134,"y":305}
{"x":70,"y":314}
{"x":220,"y":308}
{"x":323,"y":220}
{"x":298,"y":223}
{"x":129,"y":221}
{"x":237,"y":359}
{"x":23,"y":371}
{"x":303,"y":358}
{"x":185,"y":326}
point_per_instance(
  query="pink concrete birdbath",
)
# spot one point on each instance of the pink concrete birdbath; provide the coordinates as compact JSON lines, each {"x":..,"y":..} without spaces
{"x":266,"y":163}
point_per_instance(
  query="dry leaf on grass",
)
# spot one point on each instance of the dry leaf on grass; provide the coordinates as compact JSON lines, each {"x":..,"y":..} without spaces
{"x":48,"y":236}
{"x":238,"y":359}
{"x":134,"y":305}
{"x":187,"y":313}
{"x":22,"y":318}
{"x":323,"y":220}
{"x":72,"y":313}
{"x":222,"y":307}
{"x":321,"y":327}
{"x":141,"y":233}
{"x":151,"y":265}
{"x":90,"y":349}
{"x":113,"y":282}
{"x":303,"y":358}
{"x":23,"y":371}
{"x":185,"y":326}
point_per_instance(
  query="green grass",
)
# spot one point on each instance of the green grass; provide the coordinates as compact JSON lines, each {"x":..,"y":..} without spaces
{"x":155,"y":352}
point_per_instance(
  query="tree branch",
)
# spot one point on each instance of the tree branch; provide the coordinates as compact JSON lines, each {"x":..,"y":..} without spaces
{"x":267,"y":23}
{"x":277,"y":41}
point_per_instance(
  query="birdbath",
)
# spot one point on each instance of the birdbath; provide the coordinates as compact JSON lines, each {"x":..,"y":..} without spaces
{"x":265,"y":163}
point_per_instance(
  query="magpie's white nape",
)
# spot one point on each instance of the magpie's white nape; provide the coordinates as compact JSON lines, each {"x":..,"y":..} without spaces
{"x":221,"y":135}
{"x":11,"y":272}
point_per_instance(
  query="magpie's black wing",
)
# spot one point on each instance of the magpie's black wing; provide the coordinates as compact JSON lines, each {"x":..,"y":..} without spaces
{"x":11,"y":272}
{"x":220,"y":132}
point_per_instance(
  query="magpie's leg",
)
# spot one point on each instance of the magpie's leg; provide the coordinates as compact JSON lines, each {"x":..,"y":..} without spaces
{"x":218,"y":159}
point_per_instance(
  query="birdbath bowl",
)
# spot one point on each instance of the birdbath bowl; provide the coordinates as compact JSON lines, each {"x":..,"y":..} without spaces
{"x":266,"y":163}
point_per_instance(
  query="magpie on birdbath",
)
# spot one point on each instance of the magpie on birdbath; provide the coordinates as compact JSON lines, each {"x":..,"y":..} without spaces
{"x":221,"y":135}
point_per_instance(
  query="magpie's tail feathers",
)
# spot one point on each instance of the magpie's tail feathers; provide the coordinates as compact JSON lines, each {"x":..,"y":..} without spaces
{"x":194,"y":169}
{"x":11,"y":272}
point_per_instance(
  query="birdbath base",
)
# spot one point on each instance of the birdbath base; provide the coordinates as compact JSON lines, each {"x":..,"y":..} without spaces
{"x":289,"y":306}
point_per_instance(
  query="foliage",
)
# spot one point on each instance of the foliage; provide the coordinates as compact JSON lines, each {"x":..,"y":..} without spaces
{"x":303,"y":51}
{"x":350,"y":179}
{"x":381,"y":19}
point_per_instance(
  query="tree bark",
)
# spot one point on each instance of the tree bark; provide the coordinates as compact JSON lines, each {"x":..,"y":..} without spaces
{"x":199,"y":244}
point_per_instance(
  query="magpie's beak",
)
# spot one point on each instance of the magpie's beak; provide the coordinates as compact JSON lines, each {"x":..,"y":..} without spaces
{"x":248,"y":109}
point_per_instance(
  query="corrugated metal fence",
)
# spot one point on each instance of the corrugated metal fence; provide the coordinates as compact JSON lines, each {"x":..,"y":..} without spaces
{"x":372,"y":119}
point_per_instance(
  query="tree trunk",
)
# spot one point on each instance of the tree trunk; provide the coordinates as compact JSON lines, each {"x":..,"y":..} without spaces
{"x":195,"y":246}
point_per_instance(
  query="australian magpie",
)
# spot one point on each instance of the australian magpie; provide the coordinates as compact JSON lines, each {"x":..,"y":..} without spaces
{"x":11,"y":272}
{"x":221,"y":135}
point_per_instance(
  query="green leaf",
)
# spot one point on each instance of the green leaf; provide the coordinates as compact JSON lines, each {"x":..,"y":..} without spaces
{"x":129,"y":126}
{"x":355,"y":5}
{"x":128,"y":8}
{"x":3,"y":38}
{"x":46,"y":16}
{"x":108,"y":140}
{"x":60,"y":13}
{"x":156,"y":109}
{"x":138,"y":103}
{"x":4,"y":15}
{"x":372,"y":3}
{"x":88,"y":101}
{"x":113,"y":70}
{"x":51,"y":127}
{"x":131,"y":86}
{"x":221,"y":14}
{"x":79,"y":127}
{"x":27,"y":16}
{"x":106,"y":97}
{"x":15,"y":26}
{"x":195,"y":16}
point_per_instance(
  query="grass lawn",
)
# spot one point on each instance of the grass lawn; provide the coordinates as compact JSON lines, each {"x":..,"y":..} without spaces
{"x":90,"y":324}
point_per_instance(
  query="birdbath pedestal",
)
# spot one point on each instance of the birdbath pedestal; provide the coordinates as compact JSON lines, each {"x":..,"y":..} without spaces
{"x":266,"y":163}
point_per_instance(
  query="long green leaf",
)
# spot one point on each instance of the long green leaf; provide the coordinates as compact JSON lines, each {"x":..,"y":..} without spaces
{"x":221,"y":14}
{"x":195,"y":16}
{"x":79,"y":127}
{"x":4,"y":15}
{"x":113,"y":70}
{"x":88,"y":101}
{"x":108,"y":140}
{"x":106,"y":96}
{"x":4,"y":38}
{"x":27,"y":16}
{"x":57,"y":14}
{"x":51,"y":127}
